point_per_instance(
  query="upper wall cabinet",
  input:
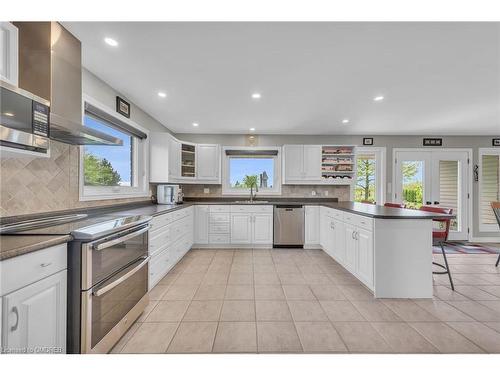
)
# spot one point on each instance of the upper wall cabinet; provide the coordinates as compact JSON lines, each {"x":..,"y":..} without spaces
{"x":318,"y":164}
{"x":9,"y":53}
{"x":172,"y":161}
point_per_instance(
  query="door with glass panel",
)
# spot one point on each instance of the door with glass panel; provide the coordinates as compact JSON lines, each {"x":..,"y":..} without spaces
{"x":435,"y":178}
{"x":489,"y":188}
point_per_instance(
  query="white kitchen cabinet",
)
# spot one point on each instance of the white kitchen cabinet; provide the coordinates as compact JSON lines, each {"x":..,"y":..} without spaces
{"x":262,"y":231}
{"x":324,"y":223}
{"x":241,"y":228}
{"x":364,"y":258}
{"x":302,"y":163}
{"x":312,"y":226}
{"x":350,"y":248}
{"x":9,"y":47}
{"x":164,"y":158}
{"x":338,"y":238}
{"x":34,"y":317}
{"x":174,"y":159}
{"x":201,"y":224}
{"x":208,"y":162}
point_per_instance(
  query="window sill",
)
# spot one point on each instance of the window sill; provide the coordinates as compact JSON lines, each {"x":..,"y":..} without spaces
{"x":107,"y":196}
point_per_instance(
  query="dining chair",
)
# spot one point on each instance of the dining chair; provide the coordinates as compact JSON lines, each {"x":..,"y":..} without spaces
{"x":395,"y":205}
{"x":496,"y":210}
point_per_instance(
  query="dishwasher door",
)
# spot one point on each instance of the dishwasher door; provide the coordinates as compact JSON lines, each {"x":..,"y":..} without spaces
{"x":288,"y":225}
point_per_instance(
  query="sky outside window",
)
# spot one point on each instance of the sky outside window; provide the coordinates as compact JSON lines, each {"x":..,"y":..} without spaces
{"x":241,"y":167}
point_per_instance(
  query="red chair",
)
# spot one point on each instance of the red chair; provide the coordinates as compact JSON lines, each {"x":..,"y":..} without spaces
{"x":395,"y":205}
{"x":440,"y":236}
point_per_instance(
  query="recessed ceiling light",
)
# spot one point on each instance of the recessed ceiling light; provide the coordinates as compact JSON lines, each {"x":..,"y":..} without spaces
{"x":8,"y":114}
{"x":110,"y":41}
{"x":256,"y":95}
{"x":162,"y":94}
{"x":345,"y":121}
{"x":252,"y":129}
{"x":378,"y":98}
{"x":195,"y":124}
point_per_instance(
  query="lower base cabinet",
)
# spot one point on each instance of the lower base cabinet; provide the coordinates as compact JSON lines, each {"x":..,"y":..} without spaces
{"x":34,"y":317}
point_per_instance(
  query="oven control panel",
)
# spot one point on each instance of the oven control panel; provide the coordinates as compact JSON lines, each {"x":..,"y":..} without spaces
{"x":40,"y":119}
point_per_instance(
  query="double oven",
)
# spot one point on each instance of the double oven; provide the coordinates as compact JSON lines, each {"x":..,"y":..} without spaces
{"x":107,"y":285}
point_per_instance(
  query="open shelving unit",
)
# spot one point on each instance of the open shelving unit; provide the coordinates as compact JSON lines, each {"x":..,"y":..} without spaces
{"x":338,"y":163}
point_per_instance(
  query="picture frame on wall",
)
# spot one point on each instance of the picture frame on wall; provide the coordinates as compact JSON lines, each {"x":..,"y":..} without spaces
{"x":122,"y":107}
{"x":433,"y":142}
{"x":367,"y":141}
{"x":495,"y":142}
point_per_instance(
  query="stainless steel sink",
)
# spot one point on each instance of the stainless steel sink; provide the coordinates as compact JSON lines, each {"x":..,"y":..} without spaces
{"x":251,"y":202}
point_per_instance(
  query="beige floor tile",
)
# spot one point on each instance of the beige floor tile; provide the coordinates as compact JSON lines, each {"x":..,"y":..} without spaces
{"x":403,"y":339}
{"x":361,"y":337}
{"x":158,"y":291}
{"x":356,"y":292}
{"x":341,"y":311}
{"x":493,"y":305}
{"x":319,"y":337}
{"x":241,"y":268}
{"x":266,"y":278}
{"x":269,"y":292}
{"x":292,"y":278}
{"x":444,"y":338}
{"x":151,"y":305}
{"x":120,"y":344}
{"x":483,"y":336}
{"x":298,"y":292}
{"x":477,"y":310}
{"x":310,"y":269}
{"x":236,"y":337}
{"x":210,"y":292}
{"x":168,"y":279}
{"x":493,"y":325}
{"x":283,"y":268}
{"x":317,"y":279}
{"x":238,"y":311}
{"x":203,"y":311}
{"x":409,"y":311}
{"x":328,"y":292}
{"x":307,"y":311}
{"x":264,"y":268}
{"x":215,"y":278}
{"x":189,"y":279}
{"x":151,"y":338}
{"x":194,"y":337}
{"x":277,"y":337}
{"x":168,"y":311}
{"x":245,"y":292}
{"x":196,"y":268}
{"x":443,"y":311}
{"x":180,"y":292}
{"x":491,"y":289}
{"x":375,"y":311}
{"x":474,"y":293}
{"x":272,"y":311}
{"x":240,"y":278}
{"x":446,"y":294}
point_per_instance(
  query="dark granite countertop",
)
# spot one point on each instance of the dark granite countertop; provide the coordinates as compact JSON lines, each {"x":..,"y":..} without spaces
{"x":13,"y":246}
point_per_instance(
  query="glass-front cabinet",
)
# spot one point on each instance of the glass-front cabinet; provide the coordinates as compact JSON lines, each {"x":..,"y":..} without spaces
{"x":188,"y":160}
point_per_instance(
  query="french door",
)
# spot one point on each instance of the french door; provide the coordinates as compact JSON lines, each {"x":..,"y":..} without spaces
{"x":435,"y":178}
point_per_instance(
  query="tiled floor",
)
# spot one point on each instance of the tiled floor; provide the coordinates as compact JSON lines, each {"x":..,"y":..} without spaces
{"x":269,"y":301}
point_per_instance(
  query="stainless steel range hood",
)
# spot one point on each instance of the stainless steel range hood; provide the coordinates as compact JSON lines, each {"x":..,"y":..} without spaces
{"x":50,"y":66}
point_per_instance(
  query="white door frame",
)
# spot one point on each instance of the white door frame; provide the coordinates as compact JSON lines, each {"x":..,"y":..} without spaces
{"x":469,"y":177}
{"x":380,"y":159}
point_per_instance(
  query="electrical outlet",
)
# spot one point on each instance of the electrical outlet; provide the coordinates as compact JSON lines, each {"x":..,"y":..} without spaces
{"x":313,"y":193}
{"x":206,"y":190}
{"x":326,"y":193}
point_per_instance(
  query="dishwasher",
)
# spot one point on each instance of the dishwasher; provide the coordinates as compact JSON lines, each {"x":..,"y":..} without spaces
{"x":288,"y":225}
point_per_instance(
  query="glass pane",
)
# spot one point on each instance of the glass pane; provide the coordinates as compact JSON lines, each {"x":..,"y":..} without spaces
{"x":107,"y":165}
{"x":413,"y":183}
{"x":449,"y":188}
{"x":187,"y":160}
{"x":243,"y":171}
{"x":490,"y":187}
{"x":366,"y":179}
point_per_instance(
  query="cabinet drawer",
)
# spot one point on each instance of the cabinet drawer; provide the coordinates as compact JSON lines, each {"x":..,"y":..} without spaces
{"x":219,"y":218}
{"x":25,"y":269}
{"x":219,"y":228}
{"x":364,"y":222}
{"x":337,"y":214}
{"x":220,"y":208}
{"x":159,"y":222}
{"x":350,"y":218}
{"x":219,"y":238}
{"x":252,"y":208}
{"x":159,"y":240}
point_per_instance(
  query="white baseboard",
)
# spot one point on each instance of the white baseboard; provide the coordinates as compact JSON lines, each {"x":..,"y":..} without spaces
{"x":312,"y":246}
{"x":485,"y":239}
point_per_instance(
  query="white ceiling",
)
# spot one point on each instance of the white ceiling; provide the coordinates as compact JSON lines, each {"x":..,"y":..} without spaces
{"x":437,"y":78}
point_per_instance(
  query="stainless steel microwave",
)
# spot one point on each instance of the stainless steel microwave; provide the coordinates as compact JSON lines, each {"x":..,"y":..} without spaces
{"x":24,"y":119}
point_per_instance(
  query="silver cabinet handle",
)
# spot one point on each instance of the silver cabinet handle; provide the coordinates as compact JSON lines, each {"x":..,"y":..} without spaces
{"x":107,"y":288}
{"x":106,"y":244}
{"x":15,"y":311}
{"x":353,"y":235}
{"x":45,"y":264}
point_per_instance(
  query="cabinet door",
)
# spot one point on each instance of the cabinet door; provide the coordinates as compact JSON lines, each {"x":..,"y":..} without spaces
{"x":241,"y":228}
{"x":312,"y":225}
{"x":294,"y":158}
{"x":9,"y":52}
{"x":174,"y":159}
{"x":207,"y":157}
{"x":35,"y":316}
{"x":324,"y":225}
{"x":364,"y":259}
{"x":330,"y":241}
{"x":312,"y":162}
{"x":201,"y":215}
{"x":350,"y":248}
{"x":262,"y":232}
{"x":339,"y":241}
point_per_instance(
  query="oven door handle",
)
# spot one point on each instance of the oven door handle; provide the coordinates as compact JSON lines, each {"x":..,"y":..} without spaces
{"x":107,"y":288}
{"x":119,"y":239}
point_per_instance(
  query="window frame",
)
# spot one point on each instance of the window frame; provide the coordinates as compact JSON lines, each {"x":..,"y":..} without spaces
{"x":481,"y":152}
{"x":380,"y":171}
{"x":226,"y":185}
{"x":140,"y":164}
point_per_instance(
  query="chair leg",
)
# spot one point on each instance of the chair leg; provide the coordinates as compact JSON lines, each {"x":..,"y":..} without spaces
{"x":498,"y":261}
{"x":447,"y":266}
